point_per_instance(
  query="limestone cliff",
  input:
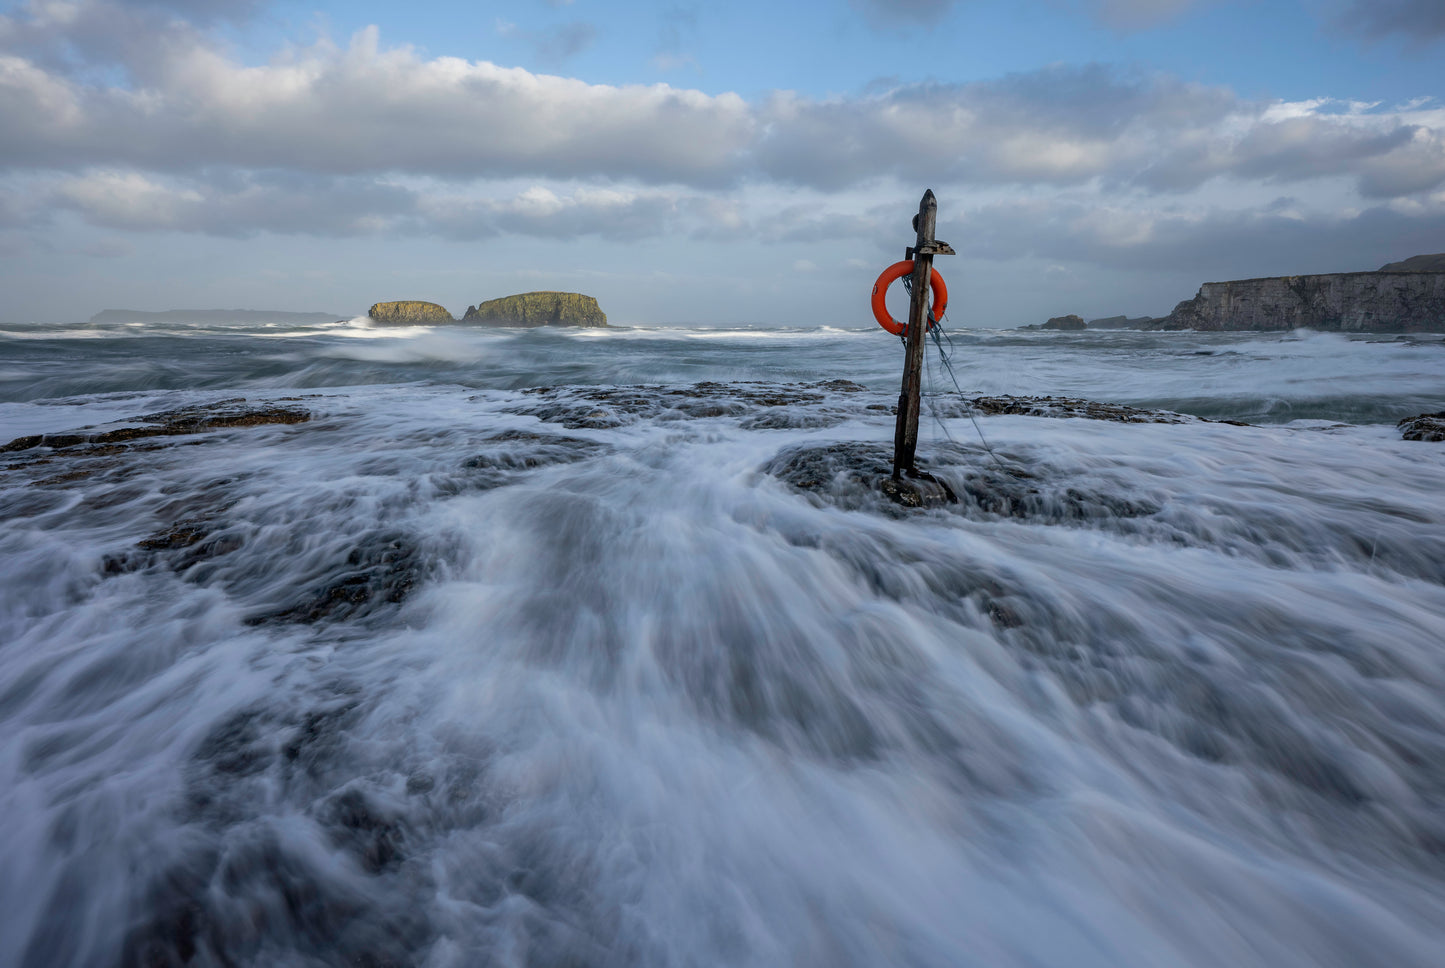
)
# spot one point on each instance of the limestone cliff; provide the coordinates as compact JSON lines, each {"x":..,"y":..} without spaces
{"x":409,"y":312}
{"x":1366,"y":302}
{"x":538,"y":309}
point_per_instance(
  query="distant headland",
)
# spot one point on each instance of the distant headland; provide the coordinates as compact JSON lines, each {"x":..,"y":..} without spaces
{"x":527,"y":309}
{"x":216,"y":316}
{"x":1400,"y":297}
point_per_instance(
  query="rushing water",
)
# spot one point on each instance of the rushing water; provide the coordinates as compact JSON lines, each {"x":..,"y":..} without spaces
{"x":462,"y":671}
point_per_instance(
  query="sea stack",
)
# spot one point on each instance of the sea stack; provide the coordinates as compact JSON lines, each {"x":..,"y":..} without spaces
{"x":538,"y":309}
{"x":409,"y":312}
{"x":1070,"y":321}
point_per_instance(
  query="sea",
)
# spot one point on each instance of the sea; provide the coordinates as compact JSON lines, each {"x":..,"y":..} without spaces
{"x":449,"y":647}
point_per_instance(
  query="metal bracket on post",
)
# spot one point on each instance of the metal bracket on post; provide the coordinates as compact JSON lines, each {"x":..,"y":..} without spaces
{"x":920,"y":489}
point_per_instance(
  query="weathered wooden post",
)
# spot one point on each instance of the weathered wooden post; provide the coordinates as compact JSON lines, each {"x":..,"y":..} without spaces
{"x":922,"y":488}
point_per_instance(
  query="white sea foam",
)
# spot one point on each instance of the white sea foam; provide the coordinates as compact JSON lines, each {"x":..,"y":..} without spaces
{"x":454,"y":674}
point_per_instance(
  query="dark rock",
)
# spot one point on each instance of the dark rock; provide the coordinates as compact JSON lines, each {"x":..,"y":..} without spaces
{"x":1066,"y":322}
{"x":1427,"y":426}
{"x":239,"y":745}
{"x":261,"y":902}
{"x":225,"y":413}
{"x":170,"y":423}
{"x":781,"y":419}
{"x":601,"y":408}
{"x":977,"y":485}
{"x":314,"y":743}
{"x":917,"y":490}
{"x":383,"y":568}
{"x":180,"y":536}
{"x":1073,"y":407}
{"x":374,"y":836}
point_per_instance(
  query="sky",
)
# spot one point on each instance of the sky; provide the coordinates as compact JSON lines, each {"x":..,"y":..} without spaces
{"x":703,"y":163}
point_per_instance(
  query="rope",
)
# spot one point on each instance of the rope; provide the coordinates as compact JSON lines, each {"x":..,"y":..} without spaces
{"x":936,"y":330}
{"x":943,"y":355}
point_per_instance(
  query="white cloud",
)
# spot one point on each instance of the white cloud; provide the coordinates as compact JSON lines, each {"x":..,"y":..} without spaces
{"x":1214,"y":242}
{"x":367,"y":109}
{"x":370,"y":110}
{"x":127,"y":200}
{"x":233,"y":204}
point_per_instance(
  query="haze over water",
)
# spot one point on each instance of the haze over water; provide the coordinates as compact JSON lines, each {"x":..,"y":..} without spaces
{"x":492,"y":661}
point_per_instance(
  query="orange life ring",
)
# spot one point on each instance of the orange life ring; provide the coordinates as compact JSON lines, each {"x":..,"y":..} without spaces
{"x":880,"y":290}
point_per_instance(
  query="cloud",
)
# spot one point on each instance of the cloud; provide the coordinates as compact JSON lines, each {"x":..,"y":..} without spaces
{"x":201,"y":11}
{"x":556,"y":43}
{"x":567,"y":40}
{"x":109,"y":249}
{"x":334,"y":142}
{"x":364,"y":109}
{"x":1055,"y":126}
{"x":234,"y":204}
{"x":1389,"y":154}
{"x":238,"y":204}
{"x":1418,"y":20}
{"x":1130,"y":15}
{"x":1069,"y":126}
{"x":367,"y":110}
{"x":925,"y":12}
{"x":674,"y":26}
{"x":617,"y":215}
{"x":1214,"y":243}
{"x":17,"y":208}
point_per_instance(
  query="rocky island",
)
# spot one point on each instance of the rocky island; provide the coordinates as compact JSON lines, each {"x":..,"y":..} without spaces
{"x":526,"y":309}
{"x":538,"y":309}
{"x":409,"y":312}
{"x":1402,"y":297}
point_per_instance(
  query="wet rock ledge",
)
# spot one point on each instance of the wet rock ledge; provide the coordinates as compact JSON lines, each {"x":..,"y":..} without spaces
{"x":171,"y":423}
